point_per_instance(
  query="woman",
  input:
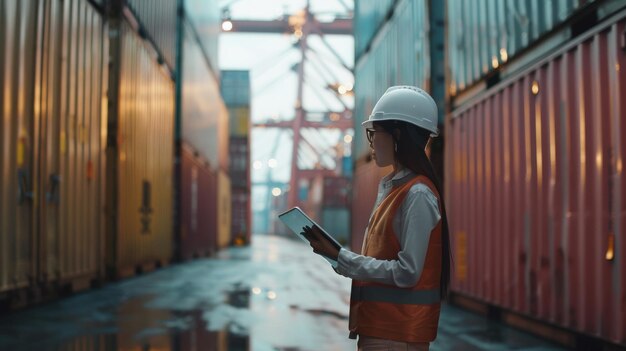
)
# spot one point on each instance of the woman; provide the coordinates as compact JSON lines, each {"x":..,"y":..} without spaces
{"x":404,"y":270}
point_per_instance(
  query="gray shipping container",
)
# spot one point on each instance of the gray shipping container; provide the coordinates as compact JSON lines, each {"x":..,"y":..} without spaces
{"x":205,"y":17}
{"x":484,"y":34}
{"x":369,"y":15}
{"x":399,"y":54}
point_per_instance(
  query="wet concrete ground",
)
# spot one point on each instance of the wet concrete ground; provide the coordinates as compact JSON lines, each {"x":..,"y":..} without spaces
{"x":274,"y":295}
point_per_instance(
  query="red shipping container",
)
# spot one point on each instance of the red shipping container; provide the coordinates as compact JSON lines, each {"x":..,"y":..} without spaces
{"x":536,"y":192}
{"x":196,"y":212}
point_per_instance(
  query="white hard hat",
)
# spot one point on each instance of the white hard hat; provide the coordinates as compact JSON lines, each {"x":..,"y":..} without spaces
{"x":406,"y":103}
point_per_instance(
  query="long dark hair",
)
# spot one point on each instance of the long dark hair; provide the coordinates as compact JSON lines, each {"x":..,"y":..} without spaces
{"x":410,"y":152}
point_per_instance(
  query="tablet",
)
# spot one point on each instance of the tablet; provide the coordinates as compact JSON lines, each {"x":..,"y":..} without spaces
{"x":295,"y":219}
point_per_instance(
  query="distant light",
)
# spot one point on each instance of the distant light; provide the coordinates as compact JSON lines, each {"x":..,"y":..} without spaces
{"x":494,"y":62}
{"x":334,"y":116}
{"x":257,"y":164}
{"x":535,"y":88}
{"x":272,"y":163}
{"x":347,"y":138}
{"x":227,"y":26}
{"x":452,"y":89}
{"x":342,"y":90}
{"x":503,"y":55}
{"x":297,"y":33}
{"x":256,"y":290}
{"x":276,"y":191}
{"x":271,"y":295}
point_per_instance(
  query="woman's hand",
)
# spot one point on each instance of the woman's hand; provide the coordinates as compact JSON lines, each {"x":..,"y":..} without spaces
{"x":319,"y":243}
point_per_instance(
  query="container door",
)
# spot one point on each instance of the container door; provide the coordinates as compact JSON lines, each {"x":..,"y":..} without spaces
{"x":18,"y":144}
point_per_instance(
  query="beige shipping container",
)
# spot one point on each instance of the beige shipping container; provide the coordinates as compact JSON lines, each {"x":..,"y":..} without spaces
{"x":69,"y":95}
{"x":17,"y":70}
{"x":142,"y":208}
{"x":52,"y":143}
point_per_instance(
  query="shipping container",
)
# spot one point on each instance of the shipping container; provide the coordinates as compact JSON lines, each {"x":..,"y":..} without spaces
{"x":369,"y":16}
{"x":485,"y":35}
{"x":197,"y":235}
{"x":18,"y":24}
{"x":141,"y":200}
{"x":69,"y":95}
{"x":235,"y":88}
{"x":156,"y":19}
{"x":206,"y":19}
{"x":239,"y":120}
{"x":535,"y":187}
{"x":399,"y":55}
{"x":241,"y":225}
{"x":52,"y":156}
{"x":239,"y":149}
{"x":204,"y":116}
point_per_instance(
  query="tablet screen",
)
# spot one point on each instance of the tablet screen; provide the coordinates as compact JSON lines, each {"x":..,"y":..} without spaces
{"x":295,"y":219}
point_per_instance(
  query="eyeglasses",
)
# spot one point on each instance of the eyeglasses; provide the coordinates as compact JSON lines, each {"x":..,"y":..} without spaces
{"x":370,"y":134}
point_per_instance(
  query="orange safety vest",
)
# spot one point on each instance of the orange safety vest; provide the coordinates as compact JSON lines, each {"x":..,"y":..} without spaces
{"x":387,"y":311}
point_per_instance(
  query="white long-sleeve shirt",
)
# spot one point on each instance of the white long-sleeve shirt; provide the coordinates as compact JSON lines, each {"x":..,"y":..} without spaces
{"x":412,"y":224}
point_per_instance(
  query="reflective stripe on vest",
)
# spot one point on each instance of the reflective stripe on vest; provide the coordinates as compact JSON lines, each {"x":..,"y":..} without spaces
{"x":394,"y":295}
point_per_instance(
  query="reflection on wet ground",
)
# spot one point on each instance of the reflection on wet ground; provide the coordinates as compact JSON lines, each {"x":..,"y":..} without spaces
{"x":274,"y":295}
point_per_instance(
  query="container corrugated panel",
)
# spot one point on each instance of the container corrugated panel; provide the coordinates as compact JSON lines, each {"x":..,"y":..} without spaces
{"x":158,"y":17}
{"x":399,"y":55}
{"x":197,"y":236}
{"x":204,"y":115}
{"x":535,"y":185}
{"x":145,"y":142}
{"x":239,"y":121}
{"x":483,"y":34}
{"x":71,"y":90}
{"x":369,"y":15}
{"x":206,"y":18}
{"x":17,"y":76}
{"x":235,"y":88}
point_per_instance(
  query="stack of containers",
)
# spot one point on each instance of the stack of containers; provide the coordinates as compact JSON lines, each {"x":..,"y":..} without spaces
{"x":203,"y":186}
{"x":235,"y":90}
